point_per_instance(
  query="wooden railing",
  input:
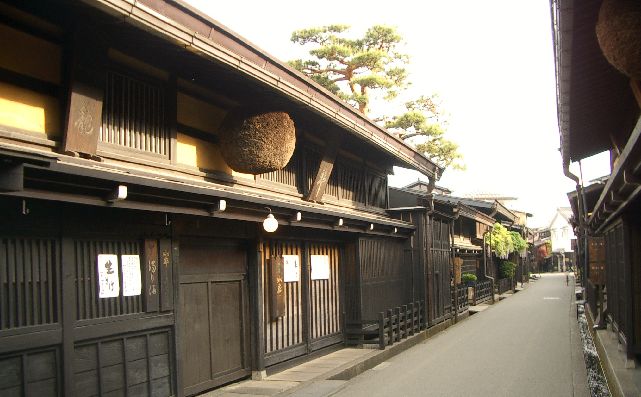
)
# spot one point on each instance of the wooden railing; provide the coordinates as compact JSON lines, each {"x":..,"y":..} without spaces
{"x":504,"y":285}
{"x":482,"y":292}
{"x":391,"y":326}
{"x":462,"y":303}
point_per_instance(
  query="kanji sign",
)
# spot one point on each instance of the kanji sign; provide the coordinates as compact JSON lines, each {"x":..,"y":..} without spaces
{"x":108,"y":281}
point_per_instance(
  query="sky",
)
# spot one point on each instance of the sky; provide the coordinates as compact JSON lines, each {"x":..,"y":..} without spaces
{"x":492,"y":64}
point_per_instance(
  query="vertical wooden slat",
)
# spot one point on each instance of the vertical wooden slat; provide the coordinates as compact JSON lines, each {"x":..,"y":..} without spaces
{"x":40,"y":290}
{"x":4,"y":285}
{"x":17,"y":277}
{"x":53,"y":266}
{"x":166,"y":291}
{"x":34,"y":281}
{"x":68,"y":297}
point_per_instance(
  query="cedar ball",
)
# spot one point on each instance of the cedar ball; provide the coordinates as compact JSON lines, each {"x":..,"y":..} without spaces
{"x":618,"y":31}
{"x":255,"y":142}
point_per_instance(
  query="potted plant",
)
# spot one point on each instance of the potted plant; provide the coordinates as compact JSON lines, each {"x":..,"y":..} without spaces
{"x":469,"y":279}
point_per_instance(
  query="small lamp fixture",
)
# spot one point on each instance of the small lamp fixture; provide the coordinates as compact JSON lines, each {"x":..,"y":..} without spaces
{"x":270,"y":224}
{"x":371,"y":226}
{"x":118,"y":194}
{"x":298,"y":216}
{"x":395,"y":230}
{"x":219,"y":206}
{"x":339,"y":222}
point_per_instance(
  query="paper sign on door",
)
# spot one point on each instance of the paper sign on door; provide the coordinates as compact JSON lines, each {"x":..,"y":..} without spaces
{"x":320,"y":267}
{"x":131,"y":279}
{"x":108,"y":282}
{"x":292,"y":268}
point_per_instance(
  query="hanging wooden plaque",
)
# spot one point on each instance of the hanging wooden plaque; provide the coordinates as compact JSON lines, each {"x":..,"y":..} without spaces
{"x":596,"y":259}
{"x":277,"y":287}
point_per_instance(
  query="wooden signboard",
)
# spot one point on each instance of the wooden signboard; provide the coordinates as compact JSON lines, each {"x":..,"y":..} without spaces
{"x":85,"y":117}
{"x":277,"y":287}
{"x":165,"y":276}
{"x":596,"y":260}
{"x":458,"y":262}
{"x":151,"y":276}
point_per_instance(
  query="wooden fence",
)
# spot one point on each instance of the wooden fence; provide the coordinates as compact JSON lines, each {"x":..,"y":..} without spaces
{"x":504,"y":285}
{"x":482,"y":292}
{"x":391,"y":326}
{"x":462,"y":304}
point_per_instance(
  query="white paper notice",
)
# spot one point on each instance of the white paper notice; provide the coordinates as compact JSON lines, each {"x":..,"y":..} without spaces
{"x":109,"y":284}
{"x":320,"y":267}
{"x":292,"y":268}
{"x":131,"y":280}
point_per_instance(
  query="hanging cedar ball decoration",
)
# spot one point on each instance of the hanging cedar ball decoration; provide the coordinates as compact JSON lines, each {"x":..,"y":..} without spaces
{"x":256,"y":142}
{"x":619,"y":33}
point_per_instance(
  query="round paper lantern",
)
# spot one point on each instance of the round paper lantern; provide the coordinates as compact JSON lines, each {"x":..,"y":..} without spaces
{"x":255,"y":142}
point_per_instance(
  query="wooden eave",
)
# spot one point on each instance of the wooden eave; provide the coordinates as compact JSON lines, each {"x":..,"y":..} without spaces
{"x":594,"y":101}
{"x":471,"y":213}
{"x":623,"y":187}
{"x":186,"y":27}
{"x":500,"y":209}
{"x":60,"y":178}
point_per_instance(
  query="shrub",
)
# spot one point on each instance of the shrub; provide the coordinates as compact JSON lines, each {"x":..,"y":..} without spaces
{"x":468,"y":277}
{"x":507,"y":269}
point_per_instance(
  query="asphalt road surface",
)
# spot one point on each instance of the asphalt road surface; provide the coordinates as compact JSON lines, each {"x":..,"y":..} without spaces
{"x":526,"y":345}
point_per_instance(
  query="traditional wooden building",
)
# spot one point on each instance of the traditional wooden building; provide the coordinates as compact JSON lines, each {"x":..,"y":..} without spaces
{"x":448,"y":242}
{"x":491,"y":210}
{"x":470,"y":227}
{"x":138,"y":255}
{"x":599,"y":98}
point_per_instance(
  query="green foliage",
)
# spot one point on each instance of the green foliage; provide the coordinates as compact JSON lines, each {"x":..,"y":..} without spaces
{"x":518,"y":242}
{"x":505,"y":242}
{"x":507,"y":269}
{"x":468,"y":277}
{"x":500,"y":241}
{"x":425,"y":123}
{"x":371,"y":62}
{"x":354,"y":68}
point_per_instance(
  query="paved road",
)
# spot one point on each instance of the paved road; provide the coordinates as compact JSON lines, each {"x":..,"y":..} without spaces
{"x":527,"y":345}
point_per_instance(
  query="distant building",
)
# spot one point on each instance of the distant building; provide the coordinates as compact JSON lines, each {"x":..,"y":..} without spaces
{"x":425,"y":187}
{"x":561,"y":235}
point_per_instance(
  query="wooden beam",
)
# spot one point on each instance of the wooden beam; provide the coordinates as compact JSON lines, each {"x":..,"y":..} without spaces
{"x":317,"y":190}
{"x":636,"y":90}
{"x":630,"y":182}
{"x":615,"y":199}
{"x":11,"y":177}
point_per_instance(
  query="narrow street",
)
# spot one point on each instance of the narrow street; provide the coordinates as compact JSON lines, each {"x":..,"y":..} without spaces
{"x":528,"y":345}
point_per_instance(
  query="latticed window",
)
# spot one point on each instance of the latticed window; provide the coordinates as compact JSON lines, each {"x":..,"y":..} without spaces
{"x":133,"y":115}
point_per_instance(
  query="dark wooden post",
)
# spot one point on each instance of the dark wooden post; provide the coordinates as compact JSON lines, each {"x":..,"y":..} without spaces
{"x":381,"y":331}
{"x":390,"y":330}
{"x":257,"y":310}
{"x":398,"y":324}
{"x":175,"y":252}
{"x":305,"y":292}
{"x":405,"y":321}
{"x":413,"y":323}
{"x":68,"y":313}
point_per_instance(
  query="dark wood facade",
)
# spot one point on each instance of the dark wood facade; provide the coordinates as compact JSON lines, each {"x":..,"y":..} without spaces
{"x":109,"y":148}
{"x":599,"y":110}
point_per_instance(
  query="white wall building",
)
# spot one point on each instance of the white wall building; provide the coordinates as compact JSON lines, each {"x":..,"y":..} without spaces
{"x":561,"y":233}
